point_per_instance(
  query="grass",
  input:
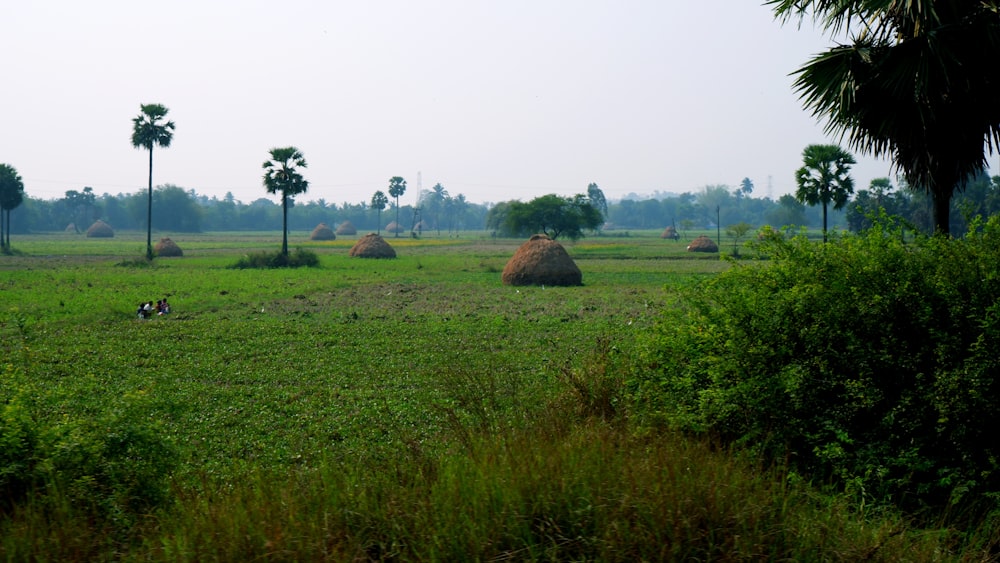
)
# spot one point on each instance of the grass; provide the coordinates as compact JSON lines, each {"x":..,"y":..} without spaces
{"x":391,"y":409}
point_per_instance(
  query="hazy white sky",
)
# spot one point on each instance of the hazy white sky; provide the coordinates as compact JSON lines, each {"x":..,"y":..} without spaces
{"x":496,"y":100}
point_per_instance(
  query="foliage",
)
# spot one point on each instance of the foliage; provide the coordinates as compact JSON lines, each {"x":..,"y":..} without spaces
{"x":868,"y":361}
{"x":11,"y":196}
{"x":552,"y":215}
{"x":114,"y":466}
{"x":379,"y":201}
{"x":901,"y":87}
{"x":281,"y":175}
{"x":397,"y":187}
{"x":823,"y":178}
{"x":299,"y":258}
{"x":148,"y":131}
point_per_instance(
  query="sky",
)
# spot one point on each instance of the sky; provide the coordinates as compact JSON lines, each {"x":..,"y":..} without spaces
{"x":495,"y":100}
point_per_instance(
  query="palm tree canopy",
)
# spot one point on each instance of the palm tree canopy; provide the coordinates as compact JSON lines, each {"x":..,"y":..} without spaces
{"x":147,"y":129}
{"x":397,"y":186}
{"x":379,"y":200}
{"x":281,"y":172}
{"x":918,"y":83}
{"x":823,"y":178}
{"x":11,"y":187}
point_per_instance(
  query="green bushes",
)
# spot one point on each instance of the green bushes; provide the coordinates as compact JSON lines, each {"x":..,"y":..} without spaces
{"x":866,"y":361}
{"x":114,"y":466}
{"x":295,"y":259}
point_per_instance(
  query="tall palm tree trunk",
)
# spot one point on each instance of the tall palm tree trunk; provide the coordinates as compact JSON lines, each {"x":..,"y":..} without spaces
{"x":824,"y":222}
{"x":149,"y":209}
{"x":284,"y":224}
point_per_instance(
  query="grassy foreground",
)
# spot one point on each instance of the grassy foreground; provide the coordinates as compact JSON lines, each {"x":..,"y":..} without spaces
{"x":409,"y":409}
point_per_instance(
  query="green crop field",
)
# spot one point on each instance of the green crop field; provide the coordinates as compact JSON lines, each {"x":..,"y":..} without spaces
{"x":412,"y":408}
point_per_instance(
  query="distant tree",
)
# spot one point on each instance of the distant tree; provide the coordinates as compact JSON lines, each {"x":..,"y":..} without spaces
{"x":397,"y":187}
{"x":597,"y":199}
{"x":282,"y":175}
{"x":11,"y":196}
{"x":788,"y":211}
{"x":178,"y":209}
{"x":902,"y":86}
{"x":78,"y":208}
{"x":147,"y":131}
{"x":379,"y":201}
{"x":746,"y":187}
{"x":554,"y":216}
{"x":737,"y":232}
{"x":824,"y":179}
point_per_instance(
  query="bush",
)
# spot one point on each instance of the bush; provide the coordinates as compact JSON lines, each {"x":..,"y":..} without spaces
{"x":295,"y":259}
{"x":866,"y":361}
{"x":115,"y":466}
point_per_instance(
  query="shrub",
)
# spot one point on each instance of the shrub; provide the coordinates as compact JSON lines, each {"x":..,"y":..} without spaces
{"x":866,"y":361}
{"x":295,"y":259}
{"x":116,"y":465}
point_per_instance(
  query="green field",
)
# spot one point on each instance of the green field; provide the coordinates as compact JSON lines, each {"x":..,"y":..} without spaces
{"x":268,"y":396}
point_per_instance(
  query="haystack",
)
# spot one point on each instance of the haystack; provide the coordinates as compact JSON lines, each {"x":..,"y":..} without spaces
{"x":347,"y":228}
{"x":100,"y":229}
{"x":372,"y":246}
{"x":167,"y":247}
{"x":71,"y":228}
{"x":670,"y":233}
{"x":322,"y":232}
{"x":394,"y":227}
{"x":703,"y":244}
{"x":541,"y":261}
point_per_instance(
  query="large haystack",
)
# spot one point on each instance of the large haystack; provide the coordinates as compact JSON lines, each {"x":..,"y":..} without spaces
{"x":670,"y":233}
{"x":347,"y":228}
{"x":167,"y":247}
{"x":322,"y":232}
{"x":372,"y":246}
{"x":541,"y":261}
{"x":100,"y":229}
{"x":703,"y":244}
{"x":394,"y":227}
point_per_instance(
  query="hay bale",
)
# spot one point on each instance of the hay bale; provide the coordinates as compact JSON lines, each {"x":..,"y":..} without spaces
{"x":322,"y":232}
{"x":372,"y":246}
{"x":670,"y":233}
{"x":167,"y":247}
{"x":703,"y":244}
{"x":347,"y":228}
{"x":100,"y":229}
{"x":394,"y":227}
{"x":541,"y":261}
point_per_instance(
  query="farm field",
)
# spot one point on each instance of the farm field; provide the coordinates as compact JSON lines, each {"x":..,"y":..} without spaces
{"x":413,"y":408}
{"x":285,"y":366}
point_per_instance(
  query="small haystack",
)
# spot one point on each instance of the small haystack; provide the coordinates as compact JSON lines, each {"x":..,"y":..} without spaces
{"x":670,"y":233}
{"x":394,"y":227}
{"x":347,"y":228}
{"x":167,"y":247}
{"x":703,"y":244}
{"x":541,"y":261}
{"x":372,"y":246}
{"x":322,"y":232}
{"x":100,"y":229}
{"x":71,"y":228}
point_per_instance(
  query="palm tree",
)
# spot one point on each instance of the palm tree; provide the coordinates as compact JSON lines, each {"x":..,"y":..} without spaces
{"x":397,"y":186}
{"x":905,"y":86}
{"x":11,"y":196}
{"x":146,"y":132}
{"x":282,"y":175}
{"x":379,"y":201}
{"x":823,"y":178}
